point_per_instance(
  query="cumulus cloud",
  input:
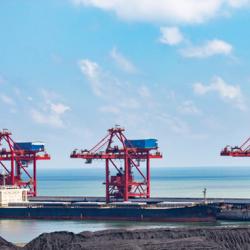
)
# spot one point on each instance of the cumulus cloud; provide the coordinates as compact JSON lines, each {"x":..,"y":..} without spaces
{"x":47,"y":119}
{"x":108,"y":87}
{"x":170,"y":35}
{"x":102,"y":83}
{"x":92,"y":72}
{"x":52,"y":116}
{"x":89,"y":68}
{"x":189,"y":108}
{"x":50,"y":113}
{"x":7,"y":99}
{"x":59,"y":108}
{"x":227,"y":92}
{"x":124,"y":63}
{"x":210,"y":48}
{"x":188,"y":11}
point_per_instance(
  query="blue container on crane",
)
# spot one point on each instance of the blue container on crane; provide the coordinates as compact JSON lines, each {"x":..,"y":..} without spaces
{"x":29,"y":146}
{"x":143,"y":143}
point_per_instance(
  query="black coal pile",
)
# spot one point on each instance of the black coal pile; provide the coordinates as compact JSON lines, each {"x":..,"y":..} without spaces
{"x":154,"y":239}
{"x":5,"y":245}
{"x":205,"y":238}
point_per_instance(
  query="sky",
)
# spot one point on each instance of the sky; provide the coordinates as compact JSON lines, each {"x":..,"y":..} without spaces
{"x":175,"y":70}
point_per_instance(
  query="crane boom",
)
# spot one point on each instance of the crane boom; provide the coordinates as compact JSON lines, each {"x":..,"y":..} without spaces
{"x":237,"y":151}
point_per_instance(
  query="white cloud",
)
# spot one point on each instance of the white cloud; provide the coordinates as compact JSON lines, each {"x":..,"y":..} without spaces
{"x":59,"y":108}
{"x":210,"y":48}
{"x":135,"y":106}
{"x":102,"y":83}
{"x":48,"y":95}
{"x":7,"y":100}
{"x":170,"y":35}
{"x":47,"y":119}
{"x":50,"y":112}
{"x":123,"y":63}
{"x":52,"y":116}
{"x":2,"y":79}
{"x":238,"y":3}
{"x":89,"y":68}
{"x":188,"y":11}
{"x":227,"y":92}
{"x":189,"y":108}
{"x":144,"y":91}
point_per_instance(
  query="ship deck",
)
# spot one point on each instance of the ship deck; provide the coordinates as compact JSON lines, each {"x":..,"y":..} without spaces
{"x":150,"y":200}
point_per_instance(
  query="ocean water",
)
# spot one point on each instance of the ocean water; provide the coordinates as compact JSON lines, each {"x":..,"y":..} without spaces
{"x":221,"y":182}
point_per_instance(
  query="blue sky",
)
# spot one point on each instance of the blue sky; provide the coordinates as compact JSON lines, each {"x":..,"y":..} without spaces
{"x":177,"y":71}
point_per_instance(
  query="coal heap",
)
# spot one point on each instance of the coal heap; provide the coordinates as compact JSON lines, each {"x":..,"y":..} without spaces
{"x":207,"y":238}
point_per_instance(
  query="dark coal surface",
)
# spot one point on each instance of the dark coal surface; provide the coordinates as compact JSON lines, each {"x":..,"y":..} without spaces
{"x":5,"y":245}
{"x":207,"y":238}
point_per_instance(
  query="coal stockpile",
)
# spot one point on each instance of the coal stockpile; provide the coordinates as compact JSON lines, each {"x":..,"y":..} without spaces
{"x":204,"y":238}
{"x":5,"y":245}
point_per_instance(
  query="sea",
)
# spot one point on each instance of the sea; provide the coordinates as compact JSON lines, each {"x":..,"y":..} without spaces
{"x":220,"y":182}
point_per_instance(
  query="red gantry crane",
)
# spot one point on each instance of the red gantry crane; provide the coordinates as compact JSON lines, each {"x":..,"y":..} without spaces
{"x":19,"y":161}
{"x":242,"y":151}
{"x":114,"y":148}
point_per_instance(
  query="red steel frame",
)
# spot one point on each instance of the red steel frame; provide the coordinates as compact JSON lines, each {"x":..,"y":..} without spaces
{"x":16,"y":163}
{"x":122,"y":184}
{"x":242,"y":151}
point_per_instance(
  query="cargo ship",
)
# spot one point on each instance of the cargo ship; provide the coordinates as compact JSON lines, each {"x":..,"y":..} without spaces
{"x":171,"y":212}
{"x":234,"y":211}
{"x":14,"y":204}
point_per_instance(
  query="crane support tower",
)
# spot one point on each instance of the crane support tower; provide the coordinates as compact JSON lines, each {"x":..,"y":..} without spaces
{"x":124,"y":159}
{"x":18,"y":161}
{"x":237,"y":151}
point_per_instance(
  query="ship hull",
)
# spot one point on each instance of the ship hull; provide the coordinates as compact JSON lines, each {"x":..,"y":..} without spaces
{"x":185,"y":214}
{"x":234,"y":215}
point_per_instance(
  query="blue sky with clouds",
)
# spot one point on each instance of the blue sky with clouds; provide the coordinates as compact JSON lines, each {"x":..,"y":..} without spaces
{"x":174,"y":70}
